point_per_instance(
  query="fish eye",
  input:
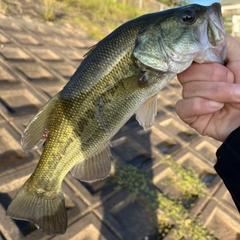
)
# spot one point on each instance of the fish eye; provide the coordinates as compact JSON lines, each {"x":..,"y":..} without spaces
{"x":188,"y":16}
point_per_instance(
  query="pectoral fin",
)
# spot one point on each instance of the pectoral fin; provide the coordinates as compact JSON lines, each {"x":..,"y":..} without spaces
{"x":36,"y":131}
{"x":147,"y":112}
{"x":95,"y":168}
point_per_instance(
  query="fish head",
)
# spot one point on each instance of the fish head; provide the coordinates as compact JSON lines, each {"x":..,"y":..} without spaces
{"x":173,"y":39}
{"x":213,"y":44}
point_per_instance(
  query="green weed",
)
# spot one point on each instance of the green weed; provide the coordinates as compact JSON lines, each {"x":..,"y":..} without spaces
{"x":186,"y":180}
{"x":171,"y":214}
{"x":99,"y":17}
{"x":49,"y":9}
{"x":3,"y":7}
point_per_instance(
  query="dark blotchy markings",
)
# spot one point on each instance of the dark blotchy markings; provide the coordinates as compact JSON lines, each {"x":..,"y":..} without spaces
{"x":89,"y":115}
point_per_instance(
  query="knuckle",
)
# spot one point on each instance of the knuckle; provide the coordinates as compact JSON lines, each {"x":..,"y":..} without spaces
{"x":230,"y":77}
{"x":187,"y":89}
{"x":218,"y":72}
{"x":183,"y":76}
{"x":178,"y":108}
{"x":180,"y":78}
{"x":198,"y":104}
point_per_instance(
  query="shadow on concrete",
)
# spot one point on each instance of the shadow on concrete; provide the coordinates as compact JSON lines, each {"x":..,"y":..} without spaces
{"x":128,"y":212}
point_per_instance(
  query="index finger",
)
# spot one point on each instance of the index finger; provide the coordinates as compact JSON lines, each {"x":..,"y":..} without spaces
{"x":212,"y":72}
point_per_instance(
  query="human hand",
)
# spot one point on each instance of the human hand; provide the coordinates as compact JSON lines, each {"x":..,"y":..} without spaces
{"x":211,"y":95}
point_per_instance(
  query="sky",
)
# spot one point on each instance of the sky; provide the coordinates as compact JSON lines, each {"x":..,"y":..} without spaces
{"x":204,"y":2}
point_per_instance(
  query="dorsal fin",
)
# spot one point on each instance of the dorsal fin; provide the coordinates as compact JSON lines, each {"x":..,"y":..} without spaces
{"x":90,"y":50}
{"x":88,"y":53}
{"x":95,"y":168}
{"x":35,"y":134}
{"x":147,"y":112}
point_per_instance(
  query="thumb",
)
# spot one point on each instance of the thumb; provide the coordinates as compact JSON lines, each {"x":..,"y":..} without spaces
{"x":191,"y":108}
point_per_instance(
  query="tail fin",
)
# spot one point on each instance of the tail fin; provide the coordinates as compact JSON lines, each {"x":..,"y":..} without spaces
{"x":45,"y":209}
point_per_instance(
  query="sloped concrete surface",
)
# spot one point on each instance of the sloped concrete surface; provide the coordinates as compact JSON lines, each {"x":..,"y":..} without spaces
{"x":36,"y":61}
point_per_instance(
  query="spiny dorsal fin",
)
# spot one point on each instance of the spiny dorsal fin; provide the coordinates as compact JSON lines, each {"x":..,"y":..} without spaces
{"x":35,"y":133}
{"x":95,"y":168}
{"x":88,"y":53}
{"x":90,"y":50}
{"x":147,"y":112}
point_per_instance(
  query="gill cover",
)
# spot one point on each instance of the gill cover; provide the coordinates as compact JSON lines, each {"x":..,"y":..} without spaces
{"x":149,"y":49}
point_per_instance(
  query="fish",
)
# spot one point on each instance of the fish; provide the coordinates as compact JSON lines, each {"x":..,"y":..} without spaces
{"x":119,"y":76}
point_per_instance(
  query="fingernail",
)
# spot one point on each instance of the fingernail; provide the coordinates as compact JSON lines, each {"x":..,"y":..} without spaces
{"x":215,"y":105}
{"x":236,"y":91}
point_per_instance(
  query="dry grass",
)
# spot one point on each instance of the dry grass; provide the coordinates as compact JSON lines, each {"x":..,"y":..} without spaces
{"x":99,"y":17}
{"x":3,"y":7}
{"x":49,"y":9}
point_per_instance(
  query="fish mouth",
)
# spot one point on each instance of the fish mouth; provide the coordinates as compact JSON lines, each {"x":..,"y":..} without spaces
{"x":215,"y":28}
{"x":213,"y":40}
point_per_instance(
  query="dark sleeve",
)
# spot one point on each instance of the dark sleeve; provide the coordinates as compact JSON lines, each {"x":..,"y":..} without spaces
{"x":228,"y":165}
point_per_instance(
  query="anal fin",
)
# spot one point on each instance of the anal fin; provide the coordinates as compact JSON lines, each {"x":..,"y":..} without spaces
{"x":145,"y":115}
{"x":95,"y":168}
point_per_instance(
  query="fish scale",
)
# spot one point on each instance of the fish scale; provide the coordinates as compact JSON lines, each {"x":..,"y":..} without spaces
{"x":119,"y":76}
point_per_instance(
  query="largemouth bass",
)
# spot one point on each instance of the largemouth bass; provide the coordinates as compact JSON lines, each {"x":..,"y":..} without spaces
{"x":119,"y":76}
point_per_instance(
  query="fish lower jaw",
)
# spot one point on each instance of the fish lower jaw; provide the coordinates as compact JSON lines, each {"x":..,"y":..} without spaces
{"x":211,"y":55}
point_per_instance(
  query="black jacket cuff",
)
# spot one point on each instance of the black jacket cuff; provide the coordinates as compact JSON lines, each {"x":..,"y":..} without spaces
{"x":228,"y":165}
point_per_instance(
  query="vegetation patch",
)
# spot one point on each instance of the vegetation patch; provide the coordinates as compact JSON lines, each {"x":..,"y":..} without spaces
{"x":49,"y":9}
{"x":97,"y":17}
{"x":185,"y":180}
{"x":171,"y":214}
{"x":3,"y":7}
